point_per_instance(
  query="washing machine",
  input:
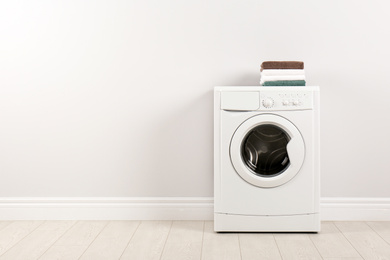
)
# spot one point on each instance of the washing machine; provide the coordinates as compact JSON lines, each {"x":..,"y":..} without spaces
{"x":266,"y":159}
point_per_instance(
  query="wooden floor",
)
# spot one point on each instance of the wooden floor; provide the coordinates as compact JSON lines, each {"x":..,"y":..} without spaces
{"x":187,"y":240}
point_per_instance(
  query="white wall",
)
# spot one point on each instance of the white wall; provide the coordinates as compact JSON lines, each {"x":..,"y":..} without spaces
{"x":114,"y":98}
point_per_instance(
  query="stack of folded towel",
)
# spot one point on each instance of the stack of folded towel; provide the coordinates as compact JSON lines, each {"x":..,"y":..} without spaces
{"x":282,"y":73}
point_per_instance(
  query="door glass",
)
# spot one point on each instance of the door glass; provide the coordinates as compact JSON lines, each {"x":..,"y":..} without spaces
{"x":264,"y":150}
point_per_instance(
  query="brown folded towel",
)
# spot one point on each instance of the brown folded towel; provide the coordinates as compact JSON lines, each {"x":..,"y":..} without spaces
{"x":281,"y":65}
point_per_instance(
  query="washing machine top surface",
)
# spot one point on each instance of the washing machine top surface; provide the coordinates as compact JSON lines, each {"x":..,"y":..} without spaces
{"x":254,"y":98}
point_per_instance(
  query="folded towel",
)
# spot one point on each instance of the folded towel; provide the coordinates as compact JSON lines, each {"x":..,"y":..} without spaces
{"x":281,"y":78}
{"x":285,"y":83}
{"x":281,"y":72}
{"x":282,"y":65}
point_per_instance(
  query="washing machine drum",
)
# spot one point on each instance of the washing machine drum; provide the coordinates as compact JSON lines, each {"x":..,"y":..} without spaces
{"x":267,"y":150}
{"x":264,"y":150}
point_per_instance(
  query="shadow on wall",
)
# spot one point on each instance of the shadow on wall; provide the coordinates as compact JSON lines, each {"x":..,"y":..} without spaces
{"x":180,"y":151}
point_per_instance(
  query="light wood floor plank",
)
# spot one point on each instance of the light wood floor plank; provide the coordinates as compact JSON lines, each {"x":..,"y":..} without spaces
{"x":368,"y":243}
{"x":14,"y":232}
{"x":148,"y":241}
{"x":382,"y":228}
{"x":75,"y":241}
{"x":219,"y":245}
{"x":38,"y":241}
{"x":343,"y":258}
{"x":112,"y":241}
{"x":296,"y":246}
{"x":258,"y":246}
{"x":3,"y":224}
{"x":184,"y":241}
{"x":330,"y":242}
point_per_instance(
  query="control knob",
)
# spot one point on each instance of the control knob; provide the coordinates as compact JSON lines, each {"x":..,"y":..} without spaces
{"x":268,"y":102}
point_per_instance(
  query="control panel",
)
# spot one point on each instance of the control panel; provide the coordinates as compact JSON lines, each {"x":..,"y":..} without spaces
{"x":285,"y":100}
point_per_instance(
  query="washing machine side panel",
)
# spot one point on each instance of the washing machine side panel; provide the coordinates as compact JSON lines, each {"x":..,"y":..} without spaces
{"x":316,"y":148}
{"x":217,"y":149}
{"x":236,"y":196}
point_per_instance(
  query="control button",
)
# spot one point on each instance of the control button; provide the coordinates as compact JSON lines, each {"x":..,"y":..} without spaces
{"x":296,"y":102}
{"x":268,"y":102}
{"x":285,"y":102}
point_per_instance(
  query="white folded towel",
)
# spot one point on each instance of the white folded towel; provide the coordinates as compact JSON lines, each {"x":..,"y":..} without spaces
{"x":277,"y":78}
{"x":282,"y":72}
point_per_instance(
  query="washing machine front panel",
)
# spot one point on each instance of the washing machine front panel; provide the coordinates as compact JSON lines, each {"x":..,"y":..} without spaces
{"x":293,"y":115}
{"x":267,"y":150}
{"x":234,"y":195}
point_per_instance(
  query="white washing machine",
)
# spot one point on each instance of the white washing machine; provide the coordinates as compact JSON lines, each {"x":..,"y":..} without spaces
{"x":266,"y":159}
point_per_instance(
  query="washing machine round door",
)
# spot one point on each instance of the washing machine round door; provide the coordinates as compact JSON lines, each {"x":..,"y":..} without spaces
{"x":267,"y":150}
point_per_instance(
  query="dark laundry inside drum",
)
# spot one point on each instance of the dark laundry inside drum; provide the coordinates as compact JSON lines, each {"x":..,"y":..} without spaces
{"x":264,"y":150}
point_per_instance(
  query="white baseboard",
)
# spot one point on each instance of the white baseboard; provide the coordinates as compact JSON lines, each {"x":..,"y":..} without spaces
{"x":169,"y":208}
{"x":355,"y":209}
{"x":110,"y":208}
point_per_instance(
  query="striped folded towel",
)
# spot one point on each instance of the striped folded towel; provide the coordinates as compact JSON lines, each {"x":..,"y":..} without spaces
{"x":279,"y":83}
{"x":266,"y":65}
{"x":281,"y":78}
{"x":282,"y":73}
